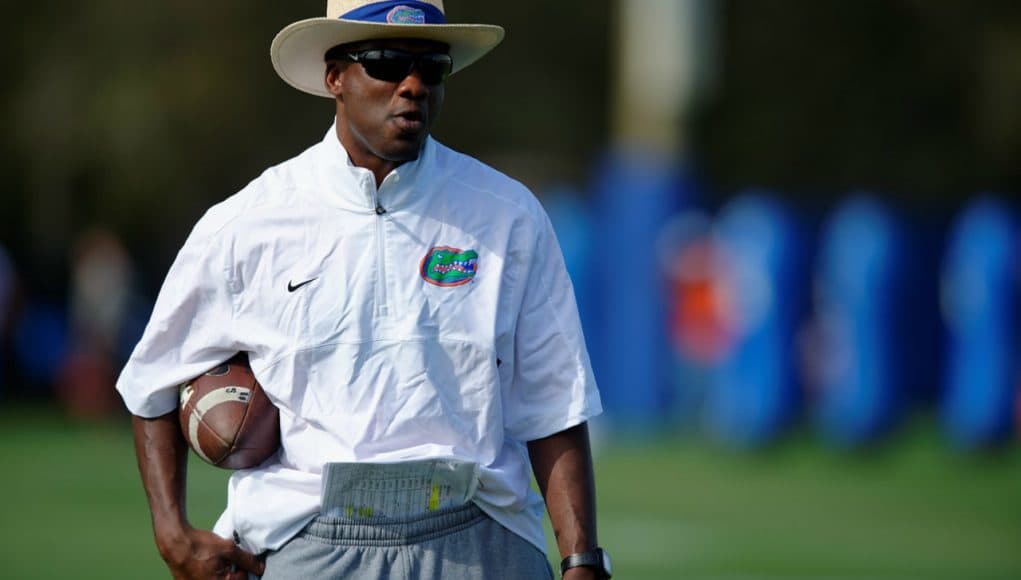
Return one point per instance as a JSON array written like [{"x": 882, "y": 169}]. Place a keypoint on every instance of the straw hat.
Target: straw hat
[{"x": 298, "y": 49}]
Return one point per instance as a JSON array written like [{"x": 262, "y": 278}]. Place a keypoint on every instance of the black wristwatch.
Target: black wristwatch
[{"x": 597, "y": 559}]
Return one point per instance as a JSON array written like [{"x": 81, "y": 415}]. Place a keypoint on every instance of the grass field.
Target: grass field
[{"x": 73, "y": 507}]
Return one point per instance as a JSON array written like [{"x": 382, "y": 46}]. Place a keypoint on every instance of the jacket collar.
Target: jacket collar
[{"x": 354, "y": 187}]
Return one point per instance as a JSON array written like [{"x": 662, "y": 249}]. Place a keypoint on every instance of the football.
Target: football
[{"x": 227, "y": 418}]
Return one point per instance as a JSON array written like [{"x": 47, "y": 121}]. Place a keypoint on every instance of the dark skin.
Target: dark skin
[
  {"x": 562, "y": 464},
  {"x": 381, "y": 125},
  {"x": 190, "y": 553}
]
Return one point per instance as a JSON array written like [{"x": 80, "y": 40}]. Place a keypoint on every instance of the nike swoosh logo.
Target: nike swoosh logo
[{"x": 291, "y": 286}]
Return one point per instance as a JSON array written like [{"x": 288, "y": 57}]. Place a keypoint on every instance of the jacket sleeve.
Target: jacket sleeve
[
  {"x": 553, "y": 387},
  {"x": 190, "y": 331}
]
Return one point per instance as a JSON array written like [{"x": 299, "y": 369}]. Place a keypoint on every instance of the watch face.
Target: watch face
[{"x": 606, "y": 563}]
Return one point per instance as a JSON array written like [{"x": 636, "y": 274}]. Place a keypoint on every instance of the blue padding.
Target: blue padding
[
  {"x": 755, "y": 390},
  {"x": 980, "y": 315},
  {"x": 635, "y": 193},
  {"x": 858, "y": 295},
  {"x": 41, "y": 342}
]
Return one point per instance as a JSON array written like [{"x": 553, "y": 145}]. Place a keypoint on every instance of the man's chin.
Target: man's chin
[{"x": 405, "y": 149}]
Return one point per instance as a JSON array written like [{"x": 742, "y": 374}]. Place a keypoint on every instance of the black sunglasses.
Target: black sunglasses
[{"x": 394, "y": 65}]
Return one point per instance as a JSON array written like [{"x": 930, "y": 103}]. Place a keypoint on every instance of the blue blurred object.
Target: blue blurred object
[
  {"x": 856, "y": 345},
  {"x": 136, "y": 317},
  {"x": 634, "y": 193},
  {"x": 7, "y": 283},
  {"x": 979, "y": 310},
  {"x": 755, "y": 389},
  {"x": 41, "y": 343}
]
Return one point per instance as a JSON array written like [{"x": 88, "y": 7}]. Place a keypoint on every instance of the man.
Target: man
[{"x": 407, "y": 310}]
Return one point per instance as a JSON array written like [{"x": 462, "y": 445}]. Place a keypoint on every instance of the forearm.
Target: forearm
[
  {"x": 189, "y": 553},
  {"x": 562, "y": 464},
  {"x": 162, "y": 456}
]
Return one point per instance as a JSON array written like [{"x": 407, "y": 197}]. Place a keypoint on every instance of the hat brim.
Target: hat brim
[{"x": 297, "y": 51}]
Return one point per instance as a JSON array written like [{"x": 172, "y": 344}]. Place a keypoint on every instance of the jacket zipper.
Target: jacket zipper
[{"x": 381, "y": 297}]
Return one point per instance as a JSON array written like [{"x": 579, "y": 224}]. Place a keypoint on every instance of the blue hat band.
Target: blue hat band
[{"x": 397, "y": 12}]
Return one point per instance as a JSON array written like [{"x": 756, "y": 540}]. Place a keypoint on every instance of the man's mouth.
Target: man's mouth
[{"x": 410, "y": 120}]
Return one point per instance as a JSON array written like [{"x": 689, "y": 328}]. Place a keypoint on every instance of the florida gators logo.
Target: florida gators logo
[
  {"x": 445, "y": 266},
  {"x": 405, "y": 15}
]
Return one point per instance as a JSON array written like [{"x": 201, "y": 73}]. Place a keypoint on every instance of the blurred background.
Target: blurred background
[{"x": 792, "y": 227}]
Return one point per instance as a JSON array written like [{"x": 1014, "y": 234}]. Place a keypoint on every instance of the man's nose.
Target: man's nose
[{"x": 412, "y": 87}]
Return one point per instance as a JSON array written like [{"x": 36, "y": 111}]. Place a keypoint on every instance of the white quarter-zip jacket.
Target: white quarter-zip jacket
[{"x": 431, "y": 318}]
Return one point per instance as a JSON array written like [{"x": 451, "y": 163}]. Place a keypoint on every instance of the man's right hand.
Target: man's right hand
[
  {"x": 190, "y": 554},
  {"x": 194, "y": 554}
]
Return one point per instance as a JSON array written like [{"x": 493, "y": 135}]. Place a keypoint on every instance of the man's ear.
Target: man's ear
[{"x": 333, "y": 80}]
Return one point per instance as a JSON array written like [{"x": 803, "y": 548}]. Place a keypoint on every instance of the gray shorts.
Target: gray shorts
[{"x": 460, "y": 543}]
